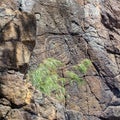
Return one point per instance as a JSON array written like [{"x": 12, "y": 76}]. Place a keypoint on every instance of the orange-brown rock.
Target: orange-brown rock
[
  {"x": 18, "y": 32},
  {"x": 20, "y": 101}
]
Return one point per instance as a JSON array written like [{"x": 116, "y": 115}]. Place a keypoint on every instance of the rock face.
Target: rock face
[
  {"x": 18, "y": 31},
  {"x": 72, "y": 30},
  {"x": 69, "y": 30},
  {"x": 18, "y": 99}
]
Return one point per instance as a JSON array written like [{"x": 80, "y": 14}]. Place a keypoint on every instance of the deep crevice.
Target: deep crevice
[{"x": 110, "y": 118}]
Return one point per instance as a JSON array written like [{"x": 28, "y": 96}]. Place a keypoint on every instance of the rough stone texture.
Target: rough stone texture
[
  {"x": 17, "y": 31},
  {"x": 20, "y": 104},
  {"x": 19, "y": 100},
  {"x": 72, "y": 30},
  {"x": 69, "y": 30}
]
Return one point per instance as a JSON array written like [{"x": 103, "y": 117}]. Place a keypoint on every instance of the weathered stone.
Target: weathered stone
[
  {"x": 111, "y": 113},
  {"x": 14, "y": 114},
  {"x": 69, "y": 30},
  {"x": 18, "y": 93},
  {"x": 18, "y": 99},
  {"x": 18, "y": 32},
  {"x": 23, "y": 102},
  {"x": 74, "y": 115},
  {"x": 82, "y": 28},
  {"x": 4, "y": 111}
]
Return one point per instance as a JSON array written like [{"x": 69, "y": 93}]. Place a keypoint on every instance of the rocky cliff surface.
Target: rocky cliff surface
[
  {"x": 18, "y": 99},
  {"x": 69, "y": 30}
]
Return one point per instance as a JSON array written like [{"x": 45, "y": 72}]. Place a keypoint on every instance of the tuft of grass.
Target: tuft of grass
[
  {"x": 83, "y": 66},
  {"x": 47, "y": 79}
]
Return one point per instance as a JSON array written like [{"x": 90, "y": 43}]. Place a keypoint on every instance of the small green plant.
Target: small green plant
[
  {"x": 47, "y": 77},
  {"x": 83, "y": 66}
]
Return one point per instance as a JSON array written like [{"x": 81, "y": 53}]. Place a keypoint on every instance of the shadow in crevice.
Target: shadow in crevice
[{"x": 110, "y": 118}]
